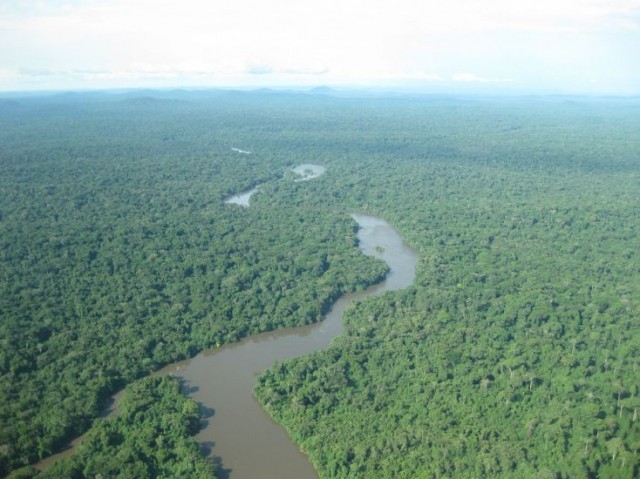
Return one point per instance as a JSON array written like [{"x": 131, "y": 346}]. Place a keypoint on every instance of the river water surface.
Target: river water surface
[
  {"x": 242, "y": 199},
  {"x": 304, "y": 172}
]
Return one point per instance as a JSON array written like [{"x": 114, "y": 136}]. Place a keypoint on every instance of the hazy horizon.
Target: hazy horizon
[{"x": 486, "y": 46}]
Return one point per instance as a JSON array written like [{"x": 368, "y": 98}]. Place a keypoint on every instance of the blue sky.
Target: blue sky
[{"x": 544, "y": 46}]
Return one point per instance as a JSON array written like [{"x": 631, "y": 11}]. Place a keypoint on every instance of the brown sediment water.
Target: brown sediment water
[{"x": 237, "y": 433}]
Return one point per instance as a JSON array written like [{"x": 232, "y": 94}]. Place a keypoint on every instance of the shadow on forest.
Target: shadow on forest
[
  {"x": 207, "y": 448},
  {"x": 205, "y": 414},
  {"x": 189, "y": 389}
]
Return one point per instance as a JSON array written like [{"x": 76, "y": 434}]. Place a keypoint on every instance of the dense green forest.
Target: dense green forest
[
  {"x": 149, "y": 437},
  {"x": 119, "y": 256},
  {"x": 515, "y": 353}
]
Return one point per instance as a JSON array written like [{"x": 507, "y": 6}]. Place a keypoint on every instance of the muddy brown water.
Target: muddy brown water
[{"x": 237, "y": 433}]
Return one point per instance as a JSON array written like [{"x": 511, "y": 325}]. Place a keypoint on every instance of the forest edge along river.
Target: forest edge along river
[
  {"x": 304, "y": 172},
  {"x": 237, "y": 433},
  {"x": 242, "y": 436}
]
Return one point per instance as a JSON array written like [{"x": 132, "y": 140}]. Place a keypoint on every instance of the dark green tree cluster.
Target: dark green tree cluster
[{"x": 151, "y": 436}]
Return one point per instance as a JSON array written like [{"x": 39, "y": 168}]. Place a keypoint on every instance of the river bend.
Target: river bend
[
  {"x": 241, "y": 435},
  {"x": 238, "y": 434}
]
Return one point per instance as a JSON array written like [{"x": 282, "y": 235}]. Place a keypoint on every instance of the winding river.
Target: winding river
[
  {"x": 304, "y": 172},
  {"x": 237, "y": 434}
]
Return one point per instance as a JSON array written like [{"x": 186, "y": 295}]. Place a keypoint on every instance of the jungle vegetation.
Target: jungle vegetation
[
  {"x": 151, "y": 436},
  {"x": 514, "y": 354}
]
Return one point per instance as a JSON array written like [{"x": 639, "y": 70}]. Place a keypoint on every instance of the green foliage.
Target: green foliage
[
  {"x": 119, "y": 256},
  {"x": 515, "y": 354},
  {"x": 515, "y": 351},
  {"x": 151, "y": 437}
]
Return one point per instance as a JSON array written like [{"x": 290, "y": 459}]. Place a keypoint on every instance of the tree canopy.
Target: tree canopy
[{"x": 514, "y": 354}]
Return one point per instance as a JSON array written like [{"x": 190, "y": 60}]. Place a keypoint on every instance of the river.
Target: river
[
  {"x": 242, "y": 199},
  {"x": 237, "y": 434},
  {"x": 304, "y": 172},
  {"x": 240, "y": 435}
]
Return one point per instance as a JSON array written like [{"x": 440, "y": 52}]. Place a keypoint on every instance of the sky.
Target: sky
[{"x": 519, "y": 46}]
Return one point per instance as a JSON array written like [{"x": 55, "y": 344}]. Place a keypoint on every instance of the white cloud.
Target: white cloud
[
  {"x": 259, "y": 70},
  {"x": 337, "y": 40},
  {"x": 559, "y": 15},
  {"x": 304, "y": 70},
  {"x": 8, "y": 74},
  {"x": 431, "y": 77},
  {"x": 473, "y": 78}
]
